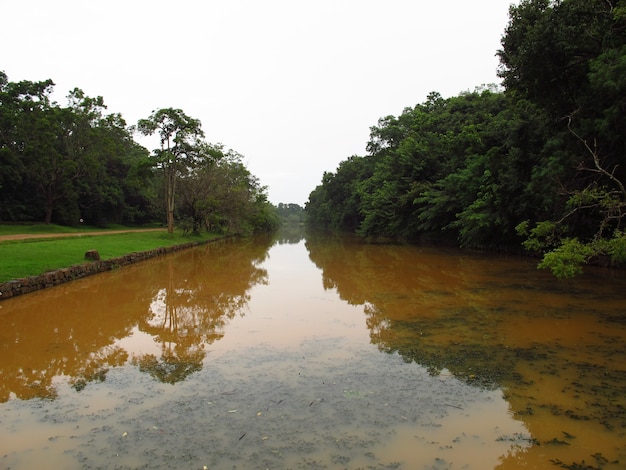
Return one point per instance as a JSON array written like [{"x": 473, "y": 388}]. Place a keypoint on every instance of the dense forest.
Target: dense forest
[
  {"x": 537, "y": 162},
  {"x": 75, "y": 163}
]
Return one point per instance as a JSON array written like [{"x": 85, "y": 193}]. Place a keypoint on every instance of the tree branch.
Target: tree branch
[{"x": 596, "y": 159}]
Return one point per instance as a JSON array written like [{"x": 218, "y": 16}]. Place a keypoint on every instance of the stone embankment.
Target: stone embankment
[{"x": 25, "y": 285}]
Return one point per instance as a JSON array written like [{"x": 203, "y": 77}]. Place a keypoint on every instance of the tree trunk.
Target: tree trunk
[
  {"x": 169, "y": 198},
  {"x": 49, "y": 205},
  {"x": 48, "y": 217}
]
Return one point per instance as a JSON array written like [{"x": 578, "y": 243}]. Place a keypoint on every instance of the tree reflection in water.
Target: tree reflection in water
[
  {"x": 489, "y": 322},
  {"x": 80, "y": 330},
  {"x": 198, "y": 301},
  {"x": 300, "y": 371},
  {"x": 199, "y": 298}
]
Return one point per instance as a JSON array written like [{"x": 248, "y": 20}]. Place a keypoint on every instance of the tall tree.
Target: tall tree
[
  {"x": 65, "y": 163},
  {"x": 28, "y": 147},
  {"x": 180, "y": 137},
  {"x": 568, "y": 57}
]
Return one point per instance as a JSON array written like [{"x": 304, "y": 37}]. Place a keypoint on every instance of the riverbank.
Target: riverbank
[{"x": 16, "y": 287}]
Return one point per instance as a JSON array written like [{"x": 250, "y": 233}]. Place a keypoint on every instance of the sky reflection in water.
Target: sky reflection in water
[{"x": 233, "y": 353}]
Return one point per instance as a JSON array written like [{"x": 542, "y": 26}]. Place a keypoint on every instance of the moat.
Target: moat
[{"x": 317, "y": 352}]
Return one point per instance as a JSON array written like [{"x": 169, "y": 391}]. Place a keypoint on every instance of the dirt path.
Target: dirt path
[{"x": 23, "y": 236}]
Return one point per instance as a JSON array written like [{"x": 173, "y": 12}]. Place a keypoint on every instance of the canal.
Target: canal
[{"x": 317, "y": 352}]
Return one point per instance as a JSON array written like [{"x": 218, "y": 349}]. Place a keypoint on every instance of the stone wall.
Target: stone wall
[{"x": 25, "y": 285}]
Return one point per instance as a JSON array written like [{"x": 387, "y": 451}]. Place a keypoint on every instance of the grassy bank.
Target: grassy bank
[{"x": 23, "y": 258}]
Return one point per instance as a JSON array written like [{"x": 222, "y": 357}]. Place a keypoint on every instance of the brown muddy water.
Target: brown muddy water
[{"x": 317, "y": 353}]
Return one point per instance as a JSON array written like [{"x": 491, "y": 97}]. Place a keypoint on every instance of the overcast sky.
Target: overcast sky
[{"x": 293, "y": 85}]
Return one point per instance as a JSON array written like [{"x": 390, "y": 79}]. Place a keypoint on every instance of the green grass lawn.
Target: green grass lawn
[{"x": 25, "y": 258}]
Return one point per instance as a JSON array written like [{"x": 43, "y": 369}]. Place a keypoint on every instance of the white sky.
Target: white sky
[{"x": 293, "y": 85}]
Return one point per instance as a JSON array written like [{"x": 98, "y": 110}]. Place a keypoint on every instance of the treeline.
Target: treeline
[
  {"x": 77, "y": 163},
  {"x": 291, "y": 213},
  {"x": 539, "y": 162}
]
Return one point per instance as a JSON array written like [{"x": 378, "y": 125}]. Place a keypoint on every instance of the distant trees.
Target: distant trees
[
  {"x": 65, "y": 164},
  {"x": 290, "y": 213},
  {"x": 539, "y": 163},
  {"x": 335, "y": 204},
  {"x": 220, "y": 194}
]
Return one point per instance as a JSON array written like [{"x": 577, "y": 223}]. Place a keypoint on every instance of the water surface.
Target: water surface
[{"x": 316, "y": 353}]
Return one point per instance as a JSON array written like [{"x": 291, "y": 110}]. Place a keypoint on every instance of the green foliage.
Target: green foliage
[
  {"x": 616, "y": 247},
  {"x": 540, "y": 163},
  {"x": 290, "y": 214},
  {"x": 219, "y": 194},
  {"x": 545, "y": 234},
  {"x": 335, "y": 204},
  {"x": 566, "y": 261},
  {"x": 180, "y": 137},
  {"x": 447, "y": 164},
  {"x": 62, "y": 164},
  {"x": 569, "y": 58},
  {"x": 568, "y": 258},
  {"x": 565, "y": 256},
  {"x": 77, "y": 164}
]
